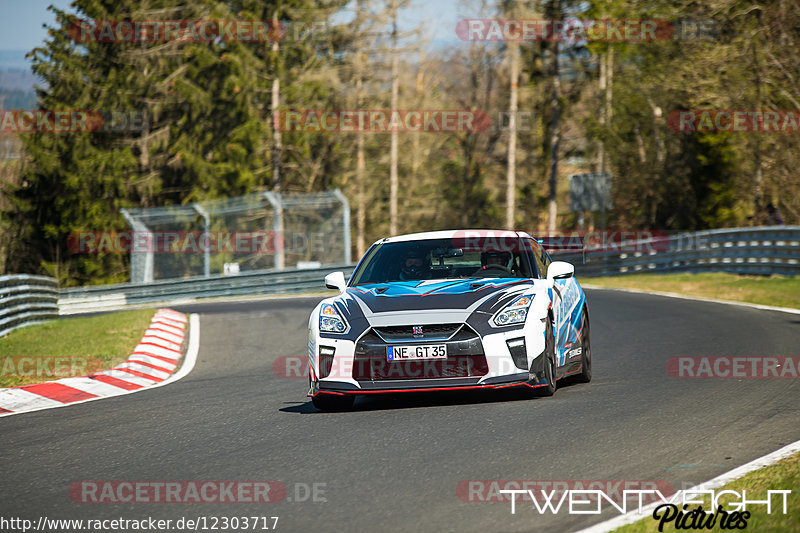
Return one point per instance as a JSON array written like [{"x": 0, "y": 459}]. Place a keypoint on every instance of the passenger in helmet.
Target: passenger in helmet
[
  {"x": 415, "y": 266},
  {"x": 497, "y": 261}
]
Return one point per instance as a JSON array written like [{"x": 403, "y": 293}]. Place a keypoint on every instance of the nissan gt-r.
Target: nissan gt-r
[{"x": 449, "y": 310}]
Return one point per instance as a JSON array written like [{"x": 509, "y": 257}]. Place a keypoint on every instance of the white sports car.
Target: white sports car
[{"x": 449, "y": 310}]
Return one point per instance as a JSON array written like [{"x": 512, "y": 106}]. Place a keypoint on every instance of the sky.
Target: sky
[{"x": 21, "y": 22}]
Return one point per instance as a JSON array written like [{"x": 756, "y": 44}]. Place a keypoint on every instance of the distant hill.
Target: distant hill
[
  {"x": 16, "y": 81},
  {"x": 14, "y": 59},
  {"x": 17, "y": 99}
]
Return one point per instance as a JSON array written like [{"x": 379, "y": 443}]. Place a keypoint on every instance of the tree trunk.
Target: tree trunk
[
  {"x": 513, "y": 50},
  {"x": 609, "y": 95},
  {"x": 393, "y": 150},
  {"x": 361, "y": 208},
  {"x": 554, "y": 132},
  {"x": 276, "y": 153}
]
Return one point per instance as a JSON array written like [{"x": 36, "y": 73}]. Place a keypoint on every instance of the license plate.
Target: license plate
[{"x": 417, "y": 351}]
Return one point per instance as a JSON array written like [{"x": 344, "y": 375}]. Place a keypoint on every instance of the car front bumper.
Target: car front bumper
[{"x": 341, "y": 366}]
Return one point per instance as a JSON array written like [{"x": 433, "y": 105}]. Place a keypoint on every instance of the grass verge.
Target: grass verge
[
  {"x": 783, "y": 475},
  {"x": 70, "y": 347},
  {"x": 779, "y": 291}
]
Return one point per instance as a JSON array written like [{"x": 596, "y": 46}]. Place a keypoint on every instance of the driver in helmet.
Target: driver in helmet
[
  {"x": 497, "y": 261},
  {"x": 415, "y": 266}
]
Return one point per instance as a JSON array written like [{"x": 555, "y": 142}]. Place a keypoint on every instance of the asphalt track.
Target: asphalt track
[{"x": 393, "y": 464}]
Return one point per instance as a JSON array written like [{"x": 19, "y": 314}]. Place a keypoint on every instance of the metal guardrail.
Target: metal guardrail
[
  {"x": 760, "y": 251},
  {"x": 110, "y": 297},
  {"x": 25, "y": 300}
]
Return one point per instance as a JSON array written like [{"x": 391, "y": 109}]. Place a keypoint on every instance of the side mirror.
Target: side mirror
[
  {"x": 335, "y": 280},
  {"x": 560, "y": 270}
]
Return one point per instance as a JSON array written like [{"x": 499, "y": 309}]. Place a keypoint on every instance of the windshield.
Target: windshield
[{"x": 439, "y": 259}]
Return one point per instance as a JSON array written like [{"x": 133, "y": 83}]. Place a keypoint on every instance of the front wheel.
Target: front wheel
[
  {"x": 585, "y": 375},
  {"x": 333, "y": 402},
  {"x": 549, "y": 363}
]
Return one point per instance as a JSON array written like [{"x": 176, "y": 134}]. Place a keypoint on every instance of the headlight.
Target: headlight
[
  {"x": 514, "y": 313},
  {"x": 330, "y": 320}
]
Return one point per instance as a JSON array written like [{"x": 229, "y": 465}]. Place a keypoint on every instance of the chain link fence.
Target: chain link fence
[{"x": 261, "y": 231}]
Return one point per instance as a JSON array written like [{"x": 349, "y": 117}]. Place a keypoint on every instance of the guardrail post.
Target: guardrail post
[
  {"x": 145, "y": 276},
  {"x": 206, "y": 228},
  {"x": 277, "y": 225},
  {"x": 345, "y": 223}
]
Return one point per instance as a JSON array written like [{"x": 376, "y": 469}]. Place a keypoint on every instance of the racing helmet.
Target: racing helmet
[
  {"x": 415, "y": 264},
  {"x": 505, "y": 259}
]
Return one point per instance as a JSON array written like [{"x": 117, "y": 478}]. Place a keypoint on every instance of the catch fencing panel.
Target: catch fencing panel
[{"x": 260, "y": 231}]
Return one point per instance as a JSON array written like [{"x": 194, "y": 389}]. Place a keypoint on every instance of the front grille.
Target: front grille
[
  {"x": 465, "y": 357},
  {"x": 406, "y": 333}
]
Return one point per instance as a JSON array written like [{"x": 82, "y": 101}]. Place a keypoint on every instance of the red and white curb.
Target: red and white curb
[{"x": 153, "y": 363}]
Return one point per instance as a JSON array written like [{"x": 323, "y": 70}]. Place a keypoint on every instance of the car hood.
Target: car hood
[{"x": 432, "y": 295}]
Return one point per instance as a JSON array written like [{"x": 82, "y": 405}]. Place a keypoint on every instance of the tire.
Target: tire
[
  {"x": 333, "y": 402},
  {"x": 585, "y": 375},
  {"x": 549, "y": 369}
]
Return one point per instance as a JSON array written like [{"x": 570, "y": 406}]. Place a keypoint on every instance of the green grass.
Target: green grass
[
  {"x": 780, "y": 291},
  {"x": 70, "y": 346},
  {"x": 783, "y": 475}
]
